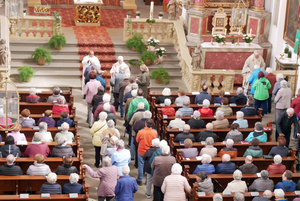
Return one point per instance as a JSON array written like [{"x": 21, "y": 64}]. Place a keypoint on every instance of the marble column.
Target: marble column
[
  {"x": 258, "y": 5},
  {"x": 199, "y": 4}
]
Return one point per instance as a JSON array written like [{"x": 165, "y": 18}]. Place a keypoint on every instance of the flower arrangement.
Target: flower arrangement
[
  {"x": 232, "y": 40},
  {"x": 152, "y": 42},
  {"x": 160, "y": 14},
  {"x": 137, "y": 13},
  {"x": 219, "y": 38},
  {"x": 150, "y": 21},
  {"x": 161, "y": 51},
  {"x": 24, "y": 11},
  {"x": 129, "y": 14},
  {"x": 247, "y": 38}
]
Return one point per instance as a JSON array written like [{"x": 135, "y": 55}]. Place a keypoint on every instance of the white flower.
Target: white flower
[
  {"x": 162, "y": 48},
  {"x": 157, "y": 41}
]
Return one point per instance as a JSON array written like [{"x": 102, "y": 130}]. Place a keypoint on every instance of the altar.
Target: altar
[{"x": 88, "y": 12}]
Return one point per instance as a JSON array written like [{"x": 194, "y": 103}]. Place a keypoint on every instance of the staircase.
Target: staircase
[
  {"x": 171, "y": 63},
  {"x": 63, "y": 71}
]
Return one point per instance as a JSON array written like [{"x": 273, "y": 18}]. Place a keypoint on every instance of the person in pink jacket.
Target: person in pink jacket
[{"x": 16, "y": 134}]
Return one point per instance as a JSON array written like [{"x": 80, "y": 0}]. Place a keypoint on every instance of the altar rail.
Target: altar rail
[
  {"x": 32, "y": 28},
  {"x": 168, "y": 31}
]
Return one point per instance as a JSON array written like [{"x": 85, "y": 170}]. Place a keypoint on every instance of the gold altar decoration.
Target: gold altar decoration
[
  {"x": 219, "y": 22},
  {"x": 238, "y": 18},
  {"x": 42, "y": 9},
  {"x": 224, "y": 3},
  {"x": 88, "y": 14}
]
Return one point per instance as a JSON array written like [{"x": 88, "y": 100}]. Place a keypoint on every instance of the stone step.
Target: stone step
[
  {"x": 50, "y": 72},
  {"x": 29, "y": 49},
  {"x": 38, "y": 43},
  {"x": 55, "y": 64}
]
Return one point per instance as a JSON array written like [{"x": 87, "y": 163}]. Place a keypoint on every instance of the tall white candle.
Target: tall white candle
[
  {"x": 151, "y": 10},
  {"x": 225, "y": 31},
  {"x": 213, "y": 31},
  {"x": 250, "y": 31}
]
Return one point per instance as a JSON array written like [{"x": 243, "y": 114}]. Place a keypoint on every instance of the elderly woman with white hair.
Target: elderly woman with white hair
[
  {"x": 106, "y": 99},
  {"x": 232, "y": 152},
  {"x": 126, "y": 186},
  {"x": 112, "y": 148},
  {"x": 277, "y": 167},
  {"x": 51, "y": 186},
  {"x": 205, "y": 111},
  {"x": 166, "y": 93},
  {"x": 32, "y": 98},
  {"x": 195, "y": 122},
  {"x": 121, "y": 157},
  {"x": 237, "y": 185},
  {"x": 262, "y": 183},
  {"x": 175, "y": 186},
  {"x": 96, "y": 131},
  {"x": 282, "y": 99},
  {"x": 226, "y": 167},
  {"x": 217, "y": 197},
  {"x": 110, "y": 115},
  {"x": 186, "y": 110},
  {"x": 37, "y": 147},
  {"x": 46, "y": 135},
  {"x": 239, "y": 98},
  {"x": 220, "y": 122},
  {"x": 279, "y": 195},
  {"x": 257, "y": 133},
  {"x": 177, "y": 122},
  {"x": 65, "y": 133},
  {"x": 167, "y": 109},
  {"x": 62, "y": 148},
  {"x": 158, "y": 152},
  {"x": 209, "y": 148},
  {"x": 206, "y": 166},
  {"x": 243, "y": 123},
  {"x": 108, "y": 176},
  {"x": 73, "y": 186},
  {"x": 279, "y": 78}
]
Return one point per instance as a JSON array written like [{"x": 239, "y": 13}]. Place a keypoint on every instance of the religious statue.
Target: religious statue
[
  {"x": 3, "y": 52},
  {"x": 196, "y": 57},
  {"x": 185, "y": 4},
  {"x": 172, "y": 9}
]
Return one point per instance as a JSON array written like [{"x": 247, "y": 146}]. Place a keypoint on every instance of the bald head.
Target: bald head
[
  {"x": 290, "y": 112},
  {"x": 209, "y": 126}
]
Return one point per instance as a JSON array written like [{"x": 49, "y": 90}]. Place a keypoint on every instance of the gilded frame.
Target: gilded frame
[
  {"x": 214, "y": 4},
  {"x": 290, "y": 29}
]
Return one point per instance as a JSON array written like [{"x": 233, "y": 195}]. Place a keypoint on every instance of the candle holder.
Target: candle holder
[{"x": 238, "y": 42}]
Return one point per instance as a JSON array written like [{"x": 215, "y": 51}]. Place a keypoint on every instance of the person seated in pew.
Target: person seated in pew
[
  {"x": 262, "y": 183},
  {"x": 62, "y": 148},
  {"x": 257, "y": 133},
  {"x": 203, "y": 95},
  {"x": 177, "y": 122},
  {"x": 5, "y": 122},
  {"x": 47, "y": 117},
  {"x": 16, "y": 134},
  {"x": 32, "y": 98},
  {"x": 205, "y": 111},
  {"x": 205, "y": 167},
  {"x": 225, "y": 108},
  {"x": 186, "y": 110},
  {"x": 166, "y": 93},
  {"x": 55, "y": 96},
  {"x": 217, "y": 197},
  {"x": 248, "y": 167},
  {"x": 9, "y": 168},
  {"x": 60, "y": 106},
  {"x": 209, "y": 148},
  {"x": 167, "y": 109},
  {"x": 218, "y": 99},
  {"x": 243, "y": 123},
  {"x": 280, "y": 149},
  {"x": 66, "y": 168},
  {"x": 279, "y": 195},
  {"x": 181, "y": 97},
  {"x": 38, "y": 167},
  {"x": 220, "y": 121},
  {"x": 226, "y": 167},
  {"x": 195, "y": 122},
  {"x": 37, "y": 147},
  {"x": 249, "y": 109},
  {"x": 287, "y": 185},
  {"x": 185, "y": 134},
  {"x": 204, "y": 183},
  {"x": 189, "y": 151},
  {"x": 237, "y": 185},
  {"x": 64, "y": 117},
  {"x": 234, "y": 133},
  {"x": 267, "y": 195},
  {"x": 238, "y": 197},
  {"x": 65, "y": 133},
  {"x": 207, "y": 133},
  {"x": 276, "y": 167},
  {"x": 73, "y": 186},
  {"x": 25, "y": 119},
  {"x": 10, "y": 148},
  {"x": 254, "y": 150},
  {"x": 51, "y": 186},
  {"x": 232, "y": 152},
  {"x": 46, "y": 135},
  {"x": 239, "y": 98}
]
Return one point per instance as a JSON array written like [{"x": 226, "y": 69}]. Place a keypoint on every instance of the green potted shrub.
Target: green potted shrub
[
  {"x": 289, "y": 55},
  {"x": 160, "y": 75},
  {"x": 148, "y": 57},
  {"x": 41, "y": 55},
  {"x": 25, "y": 73},
  {"x": 136, "y": 43},
  {"x": 57, "y": 41}
]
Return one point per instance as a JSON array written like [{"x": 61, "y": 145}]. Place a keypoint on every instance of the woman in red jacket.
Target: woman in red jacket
[
  {"x": 59, "y": 107},
  {"x": 205, "y": 111},
  {"x": 296, "y": 104},
  {"x": 168, "y": 109}
]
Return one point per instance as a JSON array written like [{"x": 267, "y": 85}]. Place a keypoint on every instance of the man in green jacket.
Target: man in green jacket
[{"x": 134, "y": 103}]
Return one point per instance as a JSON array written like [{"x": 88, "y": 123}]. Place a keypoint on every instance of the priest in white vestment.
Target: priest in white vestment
[
  {"x": 90, "y": 59},
  {"x": 116, "y": 67}
]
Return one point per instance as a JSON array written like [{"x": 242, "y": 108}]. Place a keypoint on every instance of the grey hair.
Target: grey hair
[
  {"x": 147, "y": 114},
  {"x": 196, "y": 114},
  {"x": 206, "y": 103},
  {"x": 279, "y": 75},
  {"x": 125, "y": 170},
  {"x": 279, "y": 193},
  {"x": 10, "y": 158},
  {"x": 110, "y": 123},
  {"x": 290, "y": 110},
  {"x": 61, "y": 140},
  {"x": 65, "y": 126},
  {"x": 163, "y": 143},
  {"x": 103, "y": 116},
  {"x": 52, "y": 178},
  {"x": 106, "y": 98},
  {"x": 113, "y": 140},
  {"x": 258, "y": 126},
  {"x": 165, "y": 149},
  {"x": 166, "y": 92},
  {"x": 237, "y": 175},
  {"x": 167, "y": 102},
  {"x": 209, "y": 126},
  {"x": 239, "y": 114},
  {"x": 238, "y": 197},
  {"x": 249, "y": 158},
  {"x": 269, "y": 70},
  {"x": 186, "y": 127},
  {"x": 134, "y": 86},
  {"x": 277, "y": 159},
  {"x": 186, "y": 102},
  {"x": 209, "y": 141},
  {"x": 206, "y": 158},
  {"x": 74, "y": 177},
  {"x": 283, "y": 84},
  {"x": 267, "y": 194},
  {"x": 120, "y": 144},
  {"x": 37, "y": 137},
  {"x": 264, "y": 174},
  {"x": 60, "y": 100},
  {"x": 106, "y": 106},
  {"x": 239, "y": 90},
  {"x": 178, "y": 114},
  {"x": 32, "y": 91},
  {"x": 141, "y": 105},
  {"x": 134, "y": 93},
  {"x": 226, "y": 157},
  {"x": 217, "y": 197},
  {"x": 155, "y": 142},
  {"x": 106, "y": 161},
  {"x": 43, "y": 126},
  {"x": 220, "y": 115},
  {"x": 176, "y": 168},
  {"x": 229, "y": 142}
]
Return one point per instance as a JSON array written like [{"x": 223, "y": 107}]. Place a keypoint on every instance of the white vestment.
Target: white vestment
[
  {"x": 87, "y": 60},
  {"x": 116, "y": 67}
]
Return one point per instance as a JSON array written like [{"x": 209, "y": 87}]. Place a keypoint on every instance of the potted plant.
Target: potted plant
[
  {"x": 57, "y": 41},
  {"x": 160, "y": 51},
  {"x": 148, "y": 57},
  {"x": 219, "y": 38},
  {"x": 24, "y": 12},
  {"x": 232, "y": 40},
  {"x": 129, "y": 14},
  {"x": 137, "y": 14},
  {"x": 25, "y": 73},
  {"x": 248, "y": 39},
  {"x": 160, "y": 75},
  {"x": 286, "y": 51},
  {"x": 160, "y": 15},
  {"x": 41, "y": 55},
  {"x": 136, "y": 43},
  {"x": 152, "y": 42},
  {"x": 289, "y": 55}
]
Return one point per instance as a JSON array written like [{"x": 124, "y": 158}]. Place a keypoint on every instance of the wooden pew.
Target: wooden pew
[
  {"x": 61, "y": 197},
  {"x": 36, "y": 117},
  {"x": 261, "y": 163},
  {"x": 40, "y": 108}
]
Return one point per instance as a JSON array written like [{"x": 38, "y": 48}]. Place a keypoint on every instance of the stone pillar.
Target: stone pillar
[
  {"x": 199, "y": 4},
  {"x": 258, "y": 5}
]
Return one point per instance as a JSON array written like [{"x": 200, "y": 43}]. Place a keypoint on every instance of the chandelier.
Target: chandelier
[{"x": 238, "y": 18}]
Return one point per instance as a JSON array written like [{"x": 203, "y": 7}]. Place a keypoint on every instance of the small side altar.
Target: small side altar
[
  {"x": 88, "y": 12},
  {"x": 285, "y": 63}
]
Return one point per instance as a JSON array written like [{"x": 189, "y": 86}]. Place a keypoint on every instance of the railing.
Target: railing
[{"x": 33, "y": 27}]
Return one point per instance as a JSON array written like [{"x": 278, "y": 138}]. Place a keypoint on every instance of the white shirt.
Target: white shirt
[
  {"x": 87, "y": 60},
  {"x": 116, "y": 67},
  {"x": 46, "y": 136}
]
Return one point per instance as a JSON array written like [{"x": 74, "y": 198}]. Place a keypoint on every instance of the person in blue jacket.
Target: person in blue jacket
[
  {"x": 73, "y": 186},
  {"x": 257, "y": 133},
  {"x": 126, "y": 186},
  {"x": 254, "y": 76},
  {"x": 205, "y": 167},
  {"x": 287, "y": 185},
  {"x": 226, "y": 167}
]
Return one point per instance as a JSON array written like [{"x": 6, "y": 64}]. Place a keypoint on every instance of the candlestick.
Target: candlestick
[
  {"x": 225, "y": 31},
  {"x": 151, "y": 10},
  {"x": 213, "y": 30},
  {"x": 250, "y": 31},
  {"x": 239, "y": 32}
]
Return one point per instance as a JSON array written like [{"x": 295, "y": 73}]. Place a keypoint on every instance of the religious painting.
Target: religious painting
[
  {"x": 225, "y": 3},
  {"x": 292, "y": 22}
]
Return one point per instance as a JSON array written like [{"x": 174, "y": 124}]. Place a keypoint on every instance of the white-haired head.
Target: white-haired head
[
  {"x": 155, "y": 142},
  {"x": 74, "y": 177},
  {"x": 229, "y": 143},
  {"x": 290, "y": 112},
  {"x": 113, "y": 140},
  {"x": 110, "y": 124},
  {"x": 226, "y": 158},
  {"x": 239, "y": 91},
  {"x": 141, "y": 105},
  {"x": 121, "y": 58},
  {"x": 279, "y": 193},
  {"x": 238, "y": 197},
  {"x": 166, "y": 92},
  {"x": 186, "y": 128},
  {"x": 120, "y": 144},
  {"x": 283, "y": 84},
  {"x": 147, "y": 114},
  {"x": 167, "y": 102},
  {"x": 32, "y": 91},
  {"x": 51, "y": 178},
  {"x": 186, "y": 102},
  {"x": 277, "y": 159},
  {"x": 125, "y": 170},
  {"x": 178, "y": 114},
  {"x": 102, "y": 116},
  {"x": 106, "y": 98},
  {"x": 107, "y": 161},
  {"x": 279, "y": 76},
  {"x": 237, "y": 175},
  {"x": 196, "y": 114},
  {"x": 134, "y": 86},
  {"x": 106, "y": 107},
  {"x": 10, "y": 159},
  {"x": 220, "y": 115},
  {"x": 209, "y": 141},
  {"x": 269, "y": 70},
  {"x": 62, "y": 141},
  {"x": 176, "y": 168},
  {"x": 134, "y": 93},
  {"x": 65, "y": 126},
  {"x": 206, "y": 158},
  {"x": 43, "y": 126},
  {"x": 209, "y": 126},
  {"x": 239, "y": 114},
  {"x": 217, "y": 197},
  {"x": 267, "y": 194},
  {"x": 206, "y": 103},
  {"x": 165, "y": 150},
  {"x": 163, "y": 143},
  {"x": 264, "y": 174}
]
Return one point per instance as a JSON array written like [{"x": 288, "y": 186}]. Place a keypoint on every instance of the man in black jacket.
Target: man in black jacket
[
  {"x": 207, "y": 133},
  {"x": 9, "y": 169},
  {"x": 185, "y": 134}
]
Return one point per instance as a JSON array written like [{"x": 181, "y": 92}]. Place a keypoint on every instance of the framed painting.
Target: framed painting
[
  {"x": 224, "y": 3},
  {"x": 292, "y": 21}
]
